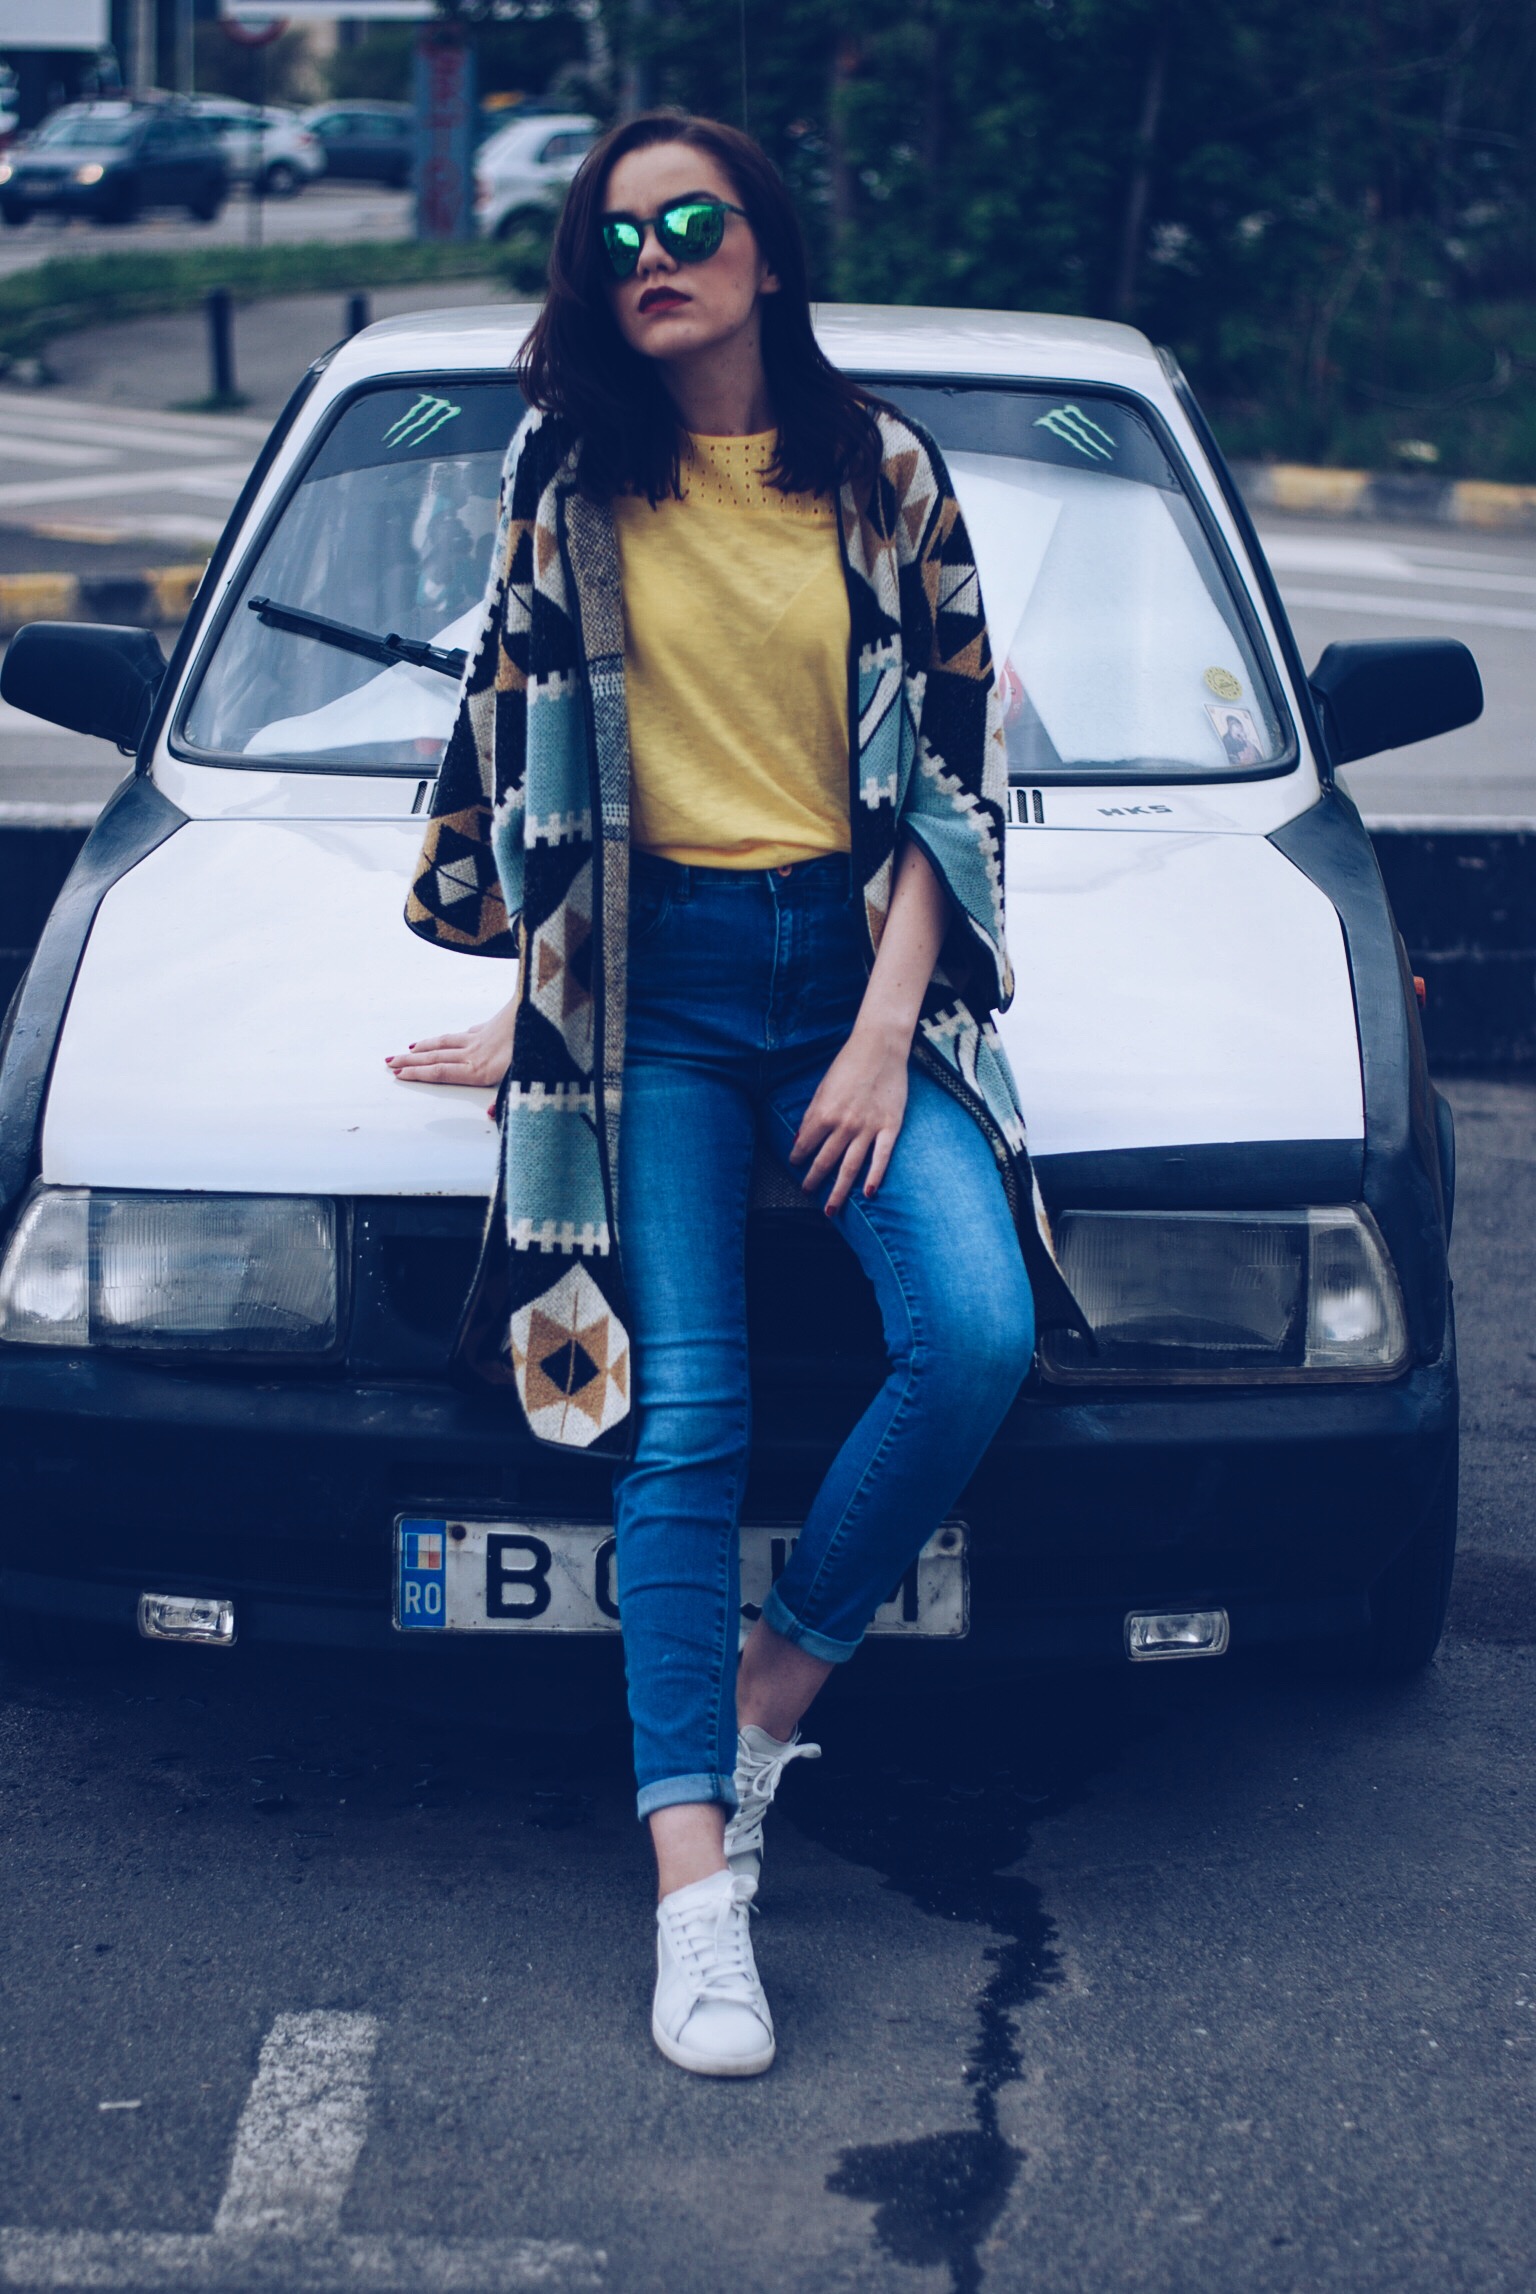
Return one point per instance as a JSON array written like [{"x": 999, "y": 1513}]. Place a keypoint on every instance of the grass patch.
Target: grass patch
[{"x": 72, "y": 291}]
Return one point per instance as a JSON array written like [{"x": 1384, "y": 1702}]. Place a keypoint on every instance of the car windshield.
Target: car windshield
[
  {"x": 389, "y": 532},
  {"x": 91, "y": 130},
  {"x": 1123, "y": 651}
]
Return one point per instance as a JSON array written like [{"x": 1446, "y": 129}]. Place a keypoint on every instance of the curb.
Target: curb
[
  {"x": 1407, "y": 496},
  {"x": 156, "y": 598}
]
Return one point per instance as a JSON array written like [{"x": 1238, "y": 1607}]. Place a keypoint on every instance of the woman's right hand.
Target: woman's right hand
[{"x": 479, "y": 1057}]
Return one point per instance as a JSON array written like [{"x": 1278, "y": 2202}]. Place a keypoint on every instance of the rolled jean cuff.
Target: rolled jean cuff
[
  {"x": 686, "y": 1791},
  {"x": 789, "y": 1628}
]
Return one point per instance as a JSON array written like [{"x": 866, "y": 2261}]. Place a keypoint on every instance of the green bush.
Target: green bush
[{"x": 71, "y": 291}]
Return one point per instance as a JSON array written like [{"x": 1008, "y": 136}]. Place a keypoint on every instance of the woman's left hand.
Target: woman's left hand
[
  {"x": 856, "y": 1116},
  {"x": 855, "y": 1119}
]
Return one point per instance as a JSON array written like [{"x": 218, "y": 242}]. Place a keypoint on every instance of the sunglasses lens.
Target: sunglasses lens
[
  {"x": 692, "y": 231},
  {"x": 623, "y": 242}
]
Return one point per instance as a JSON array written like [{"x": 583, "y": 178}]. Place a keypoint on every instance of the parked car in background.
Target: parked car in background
[
  {"x": 114, "y": 160},
  {"x": 521, "y": 172},
  {"x": 10, "y": 104},
  {"x": 364, "y": 142},
  {"x": 232, "y": 1269},
  {"x": 270, "y": 147}
]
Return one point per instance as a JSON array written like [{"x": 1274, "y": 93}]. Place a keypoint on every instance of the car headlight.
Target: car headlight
[
  {"x": 1228, "y": 1297},
  {"x": 92, "y": 172},
  {"x": 6, "y": 171},
  {"x": 194, "y": 1274}
]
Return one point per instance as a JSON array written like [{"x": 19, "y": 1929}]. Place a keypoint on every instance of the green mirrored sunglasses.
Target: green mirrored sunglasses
[{"x": 690, "y": 231}]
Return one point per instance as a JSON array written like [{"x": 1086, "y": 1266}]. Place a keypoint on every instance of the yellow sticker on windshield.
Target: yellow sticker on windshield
[{"x": 1223, "y": 684}]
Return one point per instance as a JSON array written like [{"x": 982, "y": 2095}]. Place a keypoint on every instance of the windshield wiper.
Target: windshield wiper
[{"x": 389, "y": 650}]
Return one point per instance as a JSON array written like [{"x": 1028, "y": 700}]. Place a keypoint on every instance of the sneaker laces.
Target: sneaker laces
[
  {"x": 757, "y": 1781},
  {"x": 712, "y": 1943}
]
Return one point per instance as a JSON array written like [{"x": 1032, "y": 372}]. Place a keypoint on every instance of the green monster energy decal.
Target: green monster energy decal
[
  {"x": 1072, "y": 426},
  {"x": 420, "y": 421}
]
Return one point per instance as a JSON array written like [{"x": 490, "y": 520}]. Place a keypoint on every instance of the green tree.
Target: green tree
[{"x": 1329, "y": 213}]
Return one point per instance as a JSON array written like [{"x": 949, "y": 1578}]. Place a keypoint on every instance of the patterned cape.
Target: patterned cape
[{"x": 527, "y": 854}]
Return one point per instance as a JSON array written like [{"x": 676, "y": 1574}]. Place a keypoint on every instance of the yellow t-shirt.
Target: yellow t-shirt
[{"x": 736, "y": 662}]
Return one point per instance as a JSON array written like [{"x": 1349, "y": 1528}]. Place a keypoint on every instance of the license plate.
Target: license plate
[{"x": 559, "y": 1577}]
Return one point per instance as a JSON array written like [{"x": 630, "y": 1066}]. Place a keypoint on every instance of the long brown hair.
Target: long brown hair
[{"x": 577, "y": 365}]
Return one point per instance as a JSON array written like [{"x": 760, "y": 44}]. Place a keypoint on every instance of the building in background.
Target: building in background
[{"x": 55, "y": 51}]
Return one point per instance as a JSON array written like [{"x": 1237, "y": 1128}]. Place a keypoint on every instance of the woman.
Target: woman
[{"x": 772, "y": 924}]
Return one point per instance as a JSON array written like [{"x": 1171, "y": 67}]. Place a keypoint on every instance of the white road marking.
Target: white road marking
[
  {"x": 297, "y": 2145},
  {"x": 302, "y": 2130},
  {"x": 1340, "y": 556},
  {"x": 133, "y": 526},
  {"x": 15, "y": 723},
  {"x": 24, "y": 812},
  {"x": 1333, "y": 553},
  {"x": 21, "y": 406},
  {"x": 1404, "y": 608},
  {"x": 1457, "y": 823},
  {"x": 104, "y": 431},
  {"x": 137, "y": 2261},
  {"x": 208, "y": 478},
  {"x": 14, "y": 447}
]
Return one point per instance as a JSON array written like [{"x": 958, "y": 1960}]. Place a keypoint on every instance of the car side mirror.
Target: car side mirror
[
  {"x": 1382, "y": 693},
  {"x": 90, "y": 678}
]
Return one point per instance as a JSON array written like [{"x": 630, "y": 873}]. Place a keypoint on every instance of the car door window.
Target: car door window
[
  {"x": 388, "y": 529},
  {"x": 158, "y": 155}
]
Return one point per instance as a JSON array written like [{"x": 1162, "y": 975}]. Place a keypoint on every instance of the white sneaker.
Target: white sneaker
[
  {"x": 761, "y": 1760},
  {"x": 710, "y": 2014}
]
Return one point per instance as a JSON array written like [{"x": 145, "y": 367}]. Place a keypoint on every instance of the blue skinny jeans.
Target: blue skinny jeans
[{"x": 743, "y": 987}]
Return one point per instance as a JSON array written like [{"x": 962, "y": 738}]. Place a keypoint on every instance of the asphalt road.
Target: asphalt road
[
  {"x": 1205, "y": 1978},
  {"x": 331, "y": 211}
]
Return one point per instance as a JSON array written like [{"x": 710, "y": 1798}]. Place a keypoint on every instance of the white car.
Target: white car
[
  {"x": 268, "y": 146},
  {"x": 521, "y": 172},
  {"x": 235, "y": 1249}
]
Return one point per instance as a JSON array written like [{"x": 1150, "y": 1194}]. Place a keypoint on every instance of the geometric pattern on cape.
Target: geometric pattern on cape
[
  {"x": 559, "y": 969},
  {"x": 541, "y": 738},
  {"x": 570, "y": 1356}
]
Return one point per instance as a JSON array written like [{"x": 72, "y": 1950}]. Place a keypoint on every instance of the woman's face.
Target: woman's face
[{"x": 671, "y": 310}]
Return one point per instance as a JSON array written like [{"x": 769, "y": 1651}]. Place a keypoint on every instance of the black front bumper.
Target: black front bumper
[{"x": 281, "y": 1493}]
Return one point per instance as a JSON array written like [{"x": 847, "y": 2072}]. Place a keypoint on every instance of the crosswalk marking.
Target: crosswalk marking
[
  {"x": 14, "y": 447},
  {"x": 109, "y": 433},
  {"x": 60, "y": 452},
  {"x": 297, "y": 2145},
  {"x": 205, "y": 478},
  {"x": 21, "y": 408}
]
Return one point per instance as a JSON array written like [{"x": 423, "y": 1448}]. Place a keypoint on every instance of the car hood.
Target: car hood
[
  {"x": 1175, "y": 990},
  {"x": 236, "y": 1000},
  {"x": 243, "y": 983}
]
